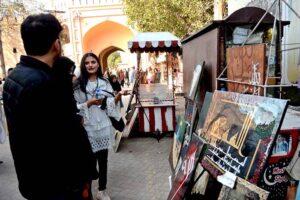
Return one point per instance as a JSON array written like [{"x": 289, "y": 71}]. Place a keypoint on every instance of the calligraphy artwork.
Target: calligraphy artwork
[
  {"x": 246, "y": 64},
  {"x": 275, "y": 178},
  {"x": 240, "y": 130},
  {"x": 243, "y": 191},
  {"x": 184, "y": 176}
]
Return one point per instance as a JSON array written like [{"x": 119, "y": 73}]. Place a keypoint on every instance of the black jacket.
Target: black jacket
[{"x": 50, "y": 147}]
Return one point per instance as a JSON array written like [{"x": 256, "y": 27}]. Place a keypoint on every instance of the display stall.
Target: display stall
[
  {"x": 155, "y": 99},
  {"x": 227, "y": 59}
]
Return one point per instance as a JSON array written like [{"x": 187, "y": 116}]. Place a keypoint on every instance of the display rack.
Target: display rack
[{"x": 274, "y": 56}]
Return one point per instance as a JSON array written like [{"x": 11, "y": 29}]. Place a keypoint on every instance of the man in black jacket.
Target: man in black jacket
[{"x": 50, "y": 148}]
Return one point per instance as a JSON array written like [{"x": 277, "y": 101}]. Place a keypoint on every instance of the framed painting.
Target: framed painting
[
  {"x": 243, "y": 191},
  {"x": 198, "y": 71},
  {"x": 189, "y": 108},
  {"x": 275, "y": 178},
  {"x": 186, "y": 170},
  {"x": 247, "y": 65},
  {"x": 178, "y": 140},
  {"x": 204, "y": 110},
  {"x": 240, "y": 130}
]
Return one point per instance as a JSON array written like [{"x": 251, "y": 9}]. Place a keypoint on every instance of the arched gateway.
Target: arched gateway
[{"x": 97, "y": 26}]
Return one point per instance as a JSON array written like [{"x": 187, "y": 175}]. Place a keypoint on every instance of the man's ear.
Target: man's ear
[{"x": 57, "y": 45}]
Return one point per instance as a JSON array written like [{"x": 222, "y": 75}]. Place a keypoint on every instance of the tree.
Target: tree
[
  {"x": 180, "y": 17},
  {"x": 113, "y": 60},
  {"x": 12, "y": 13}
]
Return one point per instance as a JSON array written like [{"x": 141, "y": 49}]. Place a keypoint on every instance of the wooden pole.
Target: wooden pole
[{"x": 2, "y": 61}]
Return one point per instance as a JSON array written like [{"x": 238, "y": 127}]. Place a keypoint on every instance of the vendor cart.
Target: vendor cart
[{"x": 155, "y": 99}]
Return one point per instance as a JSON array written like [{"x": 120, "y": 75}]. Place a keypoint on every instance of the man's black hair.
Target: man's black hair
[{"x": 39, "y": 32}]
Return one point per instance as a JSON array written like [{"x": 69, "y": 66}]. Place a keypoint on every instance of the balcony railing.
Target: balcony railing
[{"x": 94, "y": 2}]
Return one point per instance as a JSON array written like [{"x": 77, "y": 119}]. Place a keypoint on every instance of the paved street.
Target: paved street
[{"x": 138, "y": 171}]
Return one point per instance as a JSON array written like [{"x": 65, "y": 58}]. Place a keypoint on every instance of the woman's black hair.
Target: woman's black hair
[{"x": 84, "y": 75}]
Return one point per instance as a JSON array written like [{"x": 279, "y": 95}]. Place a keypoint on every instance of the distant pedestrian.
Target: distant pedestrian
[
  {"x": 2, "y": 127},
  {"x": 131, "y": 74},
  {"x": 121, "y": 77},
  {"x": 115, "y": 84},
  {"x": 52, "y": 155}
]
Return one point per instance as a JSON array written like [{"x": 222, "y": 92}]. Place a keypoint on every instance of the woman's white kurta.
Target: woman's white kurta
[{"x": 96, "y": 121}]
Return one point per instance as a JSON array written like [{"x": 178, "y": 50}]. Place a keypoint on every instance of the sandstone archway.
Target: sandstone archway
[
  {"x": 104, "y": 55},
  {"x": 105, "y": 38}
]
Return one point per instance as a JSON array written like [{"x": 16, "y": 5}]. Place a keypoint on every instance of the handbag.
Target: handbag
[{"x": 118, "y": 125}]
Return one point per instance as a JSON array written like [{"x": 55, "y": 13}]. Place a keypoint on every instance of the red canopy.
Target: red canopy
[{"x": 154, "y": 41}]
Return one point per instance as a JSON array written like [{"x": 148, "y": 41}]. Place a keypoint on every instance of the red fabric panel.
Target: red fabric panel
[
  {"x": 163, "y": 119},
  {"x": 141, "y": 120},
  {"x": 152, "y": 120}
]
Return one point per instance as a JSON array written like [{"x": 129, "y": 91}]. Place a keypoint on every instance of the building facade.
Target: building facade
[{"x": 98, "y": 26}]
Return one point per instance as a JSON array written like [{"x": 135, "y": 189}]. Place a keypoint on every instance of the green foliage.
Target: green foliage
[
  {"x": 180, "y": 17},
  {"x": 12, "y": 13},
  {"x": 113, "y": 60}
]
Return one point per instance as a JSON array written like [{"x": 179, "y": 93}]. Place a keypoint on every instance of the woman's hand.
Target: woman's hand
[
  {"x": 118, "y": 97},
  {"x": 124, "y": 92},
  {"x": 94, "y": 101}
]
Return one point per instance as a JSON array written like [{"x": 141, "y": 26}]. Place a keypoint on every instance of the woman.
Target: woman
[
  {"x": 115, "y": 83},
  {"x": 95, "y": 109}
]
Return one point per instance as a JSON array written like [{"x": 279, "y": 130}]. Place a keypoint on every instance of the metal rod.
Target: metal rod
[
  {"x": 272, "y": 43},
  {"x": 267, "y": 11},
  {"x": 291, "y": 49},
  {"x": 222, "y": 72},
  {"x": 290, "y": 7},
  {"x": 245, "y": 83},
  {"x": 280, "y": 40},
  {"x": 290, "y": 44}
]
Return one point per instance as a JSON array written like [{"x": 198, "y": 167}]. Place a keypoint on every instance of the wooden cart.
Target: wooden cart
[{"x": 155, "y": 101}]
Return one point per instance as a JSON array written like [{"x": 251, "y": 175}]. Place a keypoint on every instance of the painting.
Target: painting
[
  {"x": 243, "y": 191},
  {"x": 187, "y": 167},
  {"x": 246, "y": 64},
  {"x": 204, "y": 110},
  {"x": 189, "y": 108},
  {"x": 198, "y": 71},
  {"x": 178, "y": 140},
  {"x": 195, "y": 118},
  {"x": 201, "y": 182},
  {"x": 240, "y": 130},
  {"x": 283, "y": 145},
  {"x": 275, "y": 178},
  {"x": 184, "y": 148}
]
